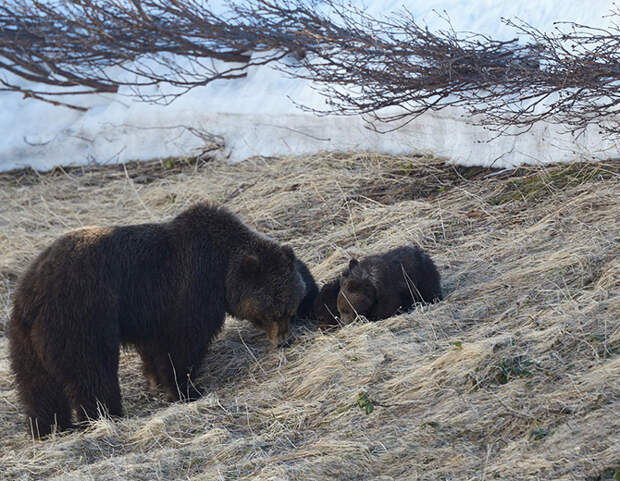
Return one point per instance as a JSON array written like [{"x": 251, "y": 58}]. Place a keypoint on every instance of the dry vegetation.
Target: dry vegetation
[{"x": 514, "y": 376}]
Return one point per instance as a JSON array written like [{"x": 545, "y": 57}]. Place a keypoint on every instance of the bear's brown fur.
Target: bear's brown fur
[
  {"x": 380, "y": 285},
  {"x": 304, "y": 311},
  {"x": 325, "y": 305},
  {"x": 163, "y": 288}
]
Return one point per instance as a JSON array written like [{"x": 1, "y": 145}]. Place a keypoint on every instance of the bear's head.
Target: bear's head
[
  {"x": 356, "y": 297},
  {"x": 325, "y": 307},
  {"x": 266, "y": 289}
]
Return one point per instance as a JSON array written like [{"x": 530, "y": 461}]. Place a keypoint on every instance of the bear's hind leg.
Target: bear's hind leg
[
  {"x": 43, "y": 396},
  {"x": 95, "y": 391},
  {"x": 90, "y": 375}
]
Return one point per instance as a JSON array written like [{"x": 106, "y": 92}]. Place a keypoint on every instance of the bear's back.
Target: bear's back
[
  {"x": 417, "y": 273},
  {"x": 93, "y": 265},
  {"x": 407, "y": 270}
]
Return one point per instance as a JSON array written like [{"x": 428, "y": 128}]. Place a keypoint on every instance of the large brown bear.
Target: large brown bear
[
  {"x": 163, "y": 288},
  {"x": 380, "y": 285}
]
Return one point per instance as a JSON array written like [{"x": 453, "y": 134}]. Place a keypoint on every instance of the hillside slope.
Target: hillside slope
[{"x": 514, "y": 376}]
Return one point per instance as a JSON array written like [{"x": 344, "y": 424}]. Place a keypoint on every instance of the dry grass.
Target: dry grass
[{"x": 514, "y": 376}]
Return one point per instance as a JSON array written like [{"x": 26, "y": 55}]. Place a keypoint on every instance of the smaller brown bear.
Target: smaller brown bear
[
  {"x": 380, "y": 285},
  {"x": 326, "y": 306}
]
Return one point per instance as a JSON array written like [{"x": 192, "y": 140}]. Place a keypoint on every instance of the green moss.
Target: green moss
[
  {"x": 609, "y": 474},
  {"x": 509, "y": 369},
  {"x": 547, "y": 181}
]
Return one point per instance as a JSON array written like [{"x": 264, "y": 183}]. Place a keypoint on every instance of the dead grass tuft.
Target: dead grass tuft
[{"x": 514, "y": 376}]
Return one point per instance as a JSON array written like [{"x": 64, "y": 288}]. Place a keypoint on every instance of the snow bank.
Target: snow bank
[{"x": 255, "y": 115}]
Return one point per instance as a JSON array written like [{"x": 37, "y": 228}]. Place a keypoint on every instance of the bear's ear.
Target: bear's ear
[
  {"x": 288, "y": 252},
  {"x": 353, "y": 263},
  {"x": 249, "y": 266}
]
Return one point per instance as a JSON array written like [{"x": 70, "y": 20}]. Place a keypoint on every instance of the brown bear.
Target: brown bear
[
  {"x": 325, "y": 305},
  {"x": 163, "y": 288},
  {"x": 380, "y": 285},
  {"x": 305, "y": 309}
]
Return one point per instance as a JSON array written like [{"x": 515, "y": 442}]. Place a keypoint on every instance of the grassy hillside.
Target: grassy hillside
[{"x": 513, "y": 377}]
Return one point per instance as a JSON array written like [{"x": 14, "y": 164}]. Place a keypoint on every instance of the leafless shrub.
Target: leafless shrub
[
  {"x": 364, "y": 65},
  {"x": 390, "y": 69},
  {"x": 91, "y": 46}
]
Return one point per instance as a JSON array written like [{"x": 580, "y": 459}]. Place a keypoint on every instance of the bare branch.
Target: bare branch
[{"x": 388, "y": 70}]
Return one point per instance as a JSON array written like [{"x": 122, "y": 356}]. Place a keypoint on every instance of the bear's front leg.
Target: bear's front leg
[{"x": 174, "y": 370}]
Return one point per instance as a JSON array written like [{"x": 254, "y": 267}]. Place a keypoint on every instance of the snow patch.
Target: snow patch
[{"x": 256, "y": 115}]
